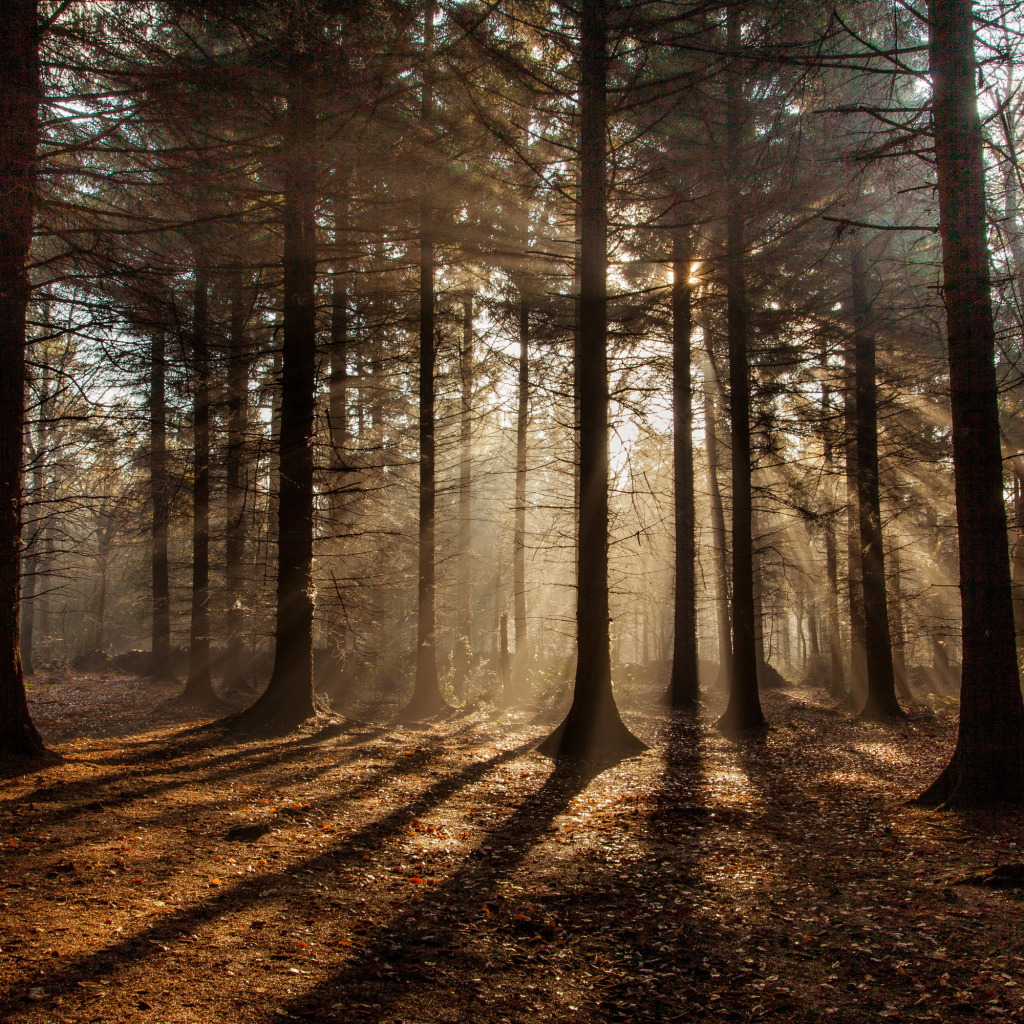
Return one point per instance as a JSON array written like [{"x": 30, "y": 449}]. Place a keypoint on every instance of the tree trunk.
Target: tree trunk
[
  {"x": 836, "y": 683},
  {"x": 237, "y": 671},
  {"x": 857, "y": 693},
  {"x": 592, "y": 728},
  {"x": 522, "y": 656},
  {"x": 720, "y": 538},
  {"x": 684, "y": 688},
  {"x": 987, "y": 766},
  {"x": 1017, "y": 562},
  {"x": 464, "y": 639},
  {"x": 881, "y": 704},
  {"x": 19, "y": 105},
  {"x": 337, "y": 407},
  {"x": 161, "y": 658},
  {"x": 199, "y": 687},
  {"x": 743, "y": 712},
  {"x": 426, "y": 697},
  {"x": 30, "y": 572},
  {"x": 288, "y": 698}
]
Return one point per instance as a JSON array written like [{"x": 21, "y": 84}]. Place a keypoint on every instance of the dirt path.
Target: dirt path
[{"x": 369, "y": 873}]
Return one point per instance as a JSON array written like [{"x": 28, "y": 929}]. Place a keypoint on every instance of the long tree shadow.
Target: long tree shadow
[
  {"x": 819, "y": 829},
  {"x": 114, "y": 791},
  {"x": 452, "y": 921},
  {"x": 149, "y": 941},
  {"x": 666, "y": 949}
]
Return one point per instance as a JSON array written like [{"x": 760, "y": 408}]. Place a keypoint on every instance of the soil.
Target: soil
[{"x": 362, "y": 871}]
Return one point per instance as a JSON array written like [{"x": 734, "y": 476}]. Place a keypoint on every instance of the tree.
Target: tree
[
  {"x": 743, "y": 712},
  {"x": 592, "y": 728},
  {"x": 160, "y": 661},
  {"x": 427, "y": 698},
  {"x": 684, "y": 687},
  {"x": 19, "y": 106},
  {"x": 288, "y": 698},
  {"x": 199, "y": 686},
  {"x": 987, "y": 766},
  {"x": 881, "y": 704}
]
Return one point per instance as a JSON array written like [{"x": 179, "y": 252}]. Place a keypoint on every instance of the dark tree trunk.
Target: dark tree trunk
[
  {"x": 30, "y": 573},
  {"x": 755, "y": 547},
  {"x": 987, "y": 766},
  {"x": 857, "y": 693},
  {"x": 19, "y": 105},
  {"x": 1017, "y": 562},
  {"x": 720, "y": 538},
  {"x": 288, "y": 698},
  {"x": 684, "y": 688},
  {"x": 337, "y": 407},
  {"x": 522, "y": 658},
  {"x": 592, "y": 727},
  {"x": 274, "y": 482},
  {"x": 49, "y": 492},
  {"x": 426, "y": 697},
  {"x": 881, "y": 704},
  {"x": 743, "y": 712},
  {"x": 337, "y": 410},
  {"x": 812, "y": 631},
  {"x": 464, "y": 640},
  {"x": 199, "y": 687},
  {"x": 160, "y": 661},
  {"x": 237, "y": 672},
  {"x": 836, "y": 683}
]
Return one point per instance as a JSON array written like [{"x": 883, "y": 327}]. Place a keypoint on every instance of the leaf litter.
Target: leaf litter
[{"x": 377, "y": 873}]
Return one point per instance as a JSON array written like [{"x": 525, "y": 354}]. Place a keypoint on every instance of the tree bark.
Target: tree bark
[
  {"x": 881, "y": 704},
  {"x": 237, "y": 671},
  {"x": 19, "y": 106},
  {"x": 592, "y": 729},
  {"x": 338, "y": 398},
  {"x": 857, "y": 693},
  {"x": 684, "y": 688},
  {"x": 987, "y": 766},
  {"x": 199, "y": 686},
  {"x": 30, "y": 574},
  {"x": 743, "y": 712},
  {"x": 288, "y": 698},
  {"x": 160, "y": 658},
  {"x": 836, "y": 682},
  {"x": 464, "y": 640},
  {"x": 427, "y": 699},
  {"x": 720, "y": 538},
  {"x": 522, "y": 655}
]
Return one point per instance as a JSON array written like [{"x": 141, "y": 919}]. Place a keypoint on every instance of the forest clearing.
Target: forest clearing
[{"x": 358, "y": 871}]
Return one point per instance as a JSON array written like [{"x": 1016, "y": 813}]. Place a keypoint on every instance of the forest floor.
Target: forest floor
[{"x": 361, "y": 871}]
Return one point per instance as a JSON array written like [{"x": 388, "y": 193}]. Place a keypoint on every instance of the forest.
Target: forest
[{"x": 511, "y": 510}]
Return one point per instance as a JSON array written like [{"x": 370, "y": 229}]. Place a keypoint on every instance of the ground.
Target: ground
[{"x": 364, "y": 872}]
